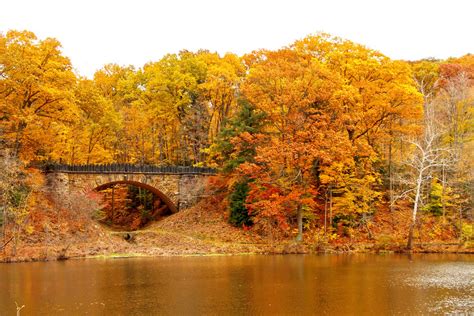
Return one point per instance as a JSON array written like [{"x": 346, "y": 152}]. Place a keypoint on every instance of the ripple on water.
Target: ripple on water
[
  {"x": 455, "y": 306},
  {"x": 448, "y": 276},
  {"x": 456, "y": 278}
]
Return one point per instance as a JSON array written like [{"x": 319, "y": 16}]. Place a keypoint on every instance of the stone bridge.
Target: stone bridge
[{"x": 178, "y": 187}]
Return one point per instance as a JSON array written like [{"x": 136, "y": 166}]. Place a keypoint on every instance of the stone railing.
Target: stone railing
[{"x": 127, "y": 168}]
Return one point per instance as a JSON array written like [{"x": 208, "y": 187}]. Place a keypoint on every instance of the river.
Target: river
[{"x": 242, "y": 285}]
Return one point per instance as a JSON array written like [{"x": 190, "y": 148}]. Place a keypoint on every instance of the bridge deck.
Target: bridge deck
[{"x": 129, "y": 169}]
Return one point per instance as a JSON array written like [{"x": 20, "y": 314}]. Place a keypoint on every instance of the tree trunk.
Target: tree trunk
[
  {"x": 19, "y": 135},
  {"x": 443, "y": 192},
  {"x": 390, "y": 175},
  {"x": 4, "y": 226},
  {"x": 299, "y": 238},
  {"x": 325, "y": 213},
  {"x": 419, "y": 183},
  {"x": 330, "y": 208}
]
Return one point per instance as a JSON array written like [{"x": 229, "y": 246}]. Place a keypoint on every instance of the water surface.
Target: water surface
[{"x": 238, "y": 285}]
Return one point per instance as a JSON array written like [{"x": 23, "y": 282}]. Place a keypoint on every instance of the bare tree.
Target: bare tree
[
  {"x": 440, "y": 150},
  {"x": 428, "y": 155}
]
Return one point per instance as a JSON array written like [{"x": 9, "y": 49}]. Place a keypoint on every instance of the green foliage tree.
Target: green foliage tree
[
  {"x": 239, "y": 214},
  {"x": 228, "y": 152}
]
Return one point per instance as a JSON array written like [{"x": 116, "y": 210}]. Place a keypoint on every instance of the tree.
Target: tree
[
  {"x": 234, "y": 146},
  {"x": 427, "y": 156},
  {"x": 331, "y": 105},
  {"x": 228, "y": 151},
  {"x": 456, "y": 113},
  {"x": 239, "y": 214},
  {"x": 112, "y": 92},
  {"x": 289, "y": 88},
  {"x": 373, "y": 101},
  {"x": 168, "y": 91},
  {"x": 219, "y": 90},
  {"x": 36, "y": 91},
  {"x": 97, "y": 125}
]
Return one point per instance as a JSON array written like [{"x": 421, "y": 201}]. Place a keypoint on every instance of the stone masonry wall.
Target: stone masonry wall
[
  {"x": 192, "y": 189},
  {"x": 183, "y": 190}
]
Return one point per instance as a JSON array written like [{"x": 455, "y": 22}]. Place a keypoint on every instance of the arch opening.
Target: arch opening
[{"x": 132, "y": 205}]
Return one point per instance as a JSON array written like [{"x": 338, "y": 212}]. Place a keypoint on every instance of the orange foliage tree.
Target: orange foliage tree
[{"x": 331, "y": 105}]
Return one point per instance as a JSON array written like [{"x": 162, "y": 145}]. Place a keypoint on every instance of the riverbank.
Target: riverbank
[{"x": 195, "y": 232}]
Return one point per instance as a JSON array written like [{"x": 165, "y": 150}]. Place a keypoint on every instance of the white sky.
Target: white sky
[{"x": 96, "y": 32}]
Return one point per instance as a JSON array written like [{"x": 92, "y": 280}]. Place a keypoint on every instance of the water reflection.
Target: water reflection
[{"x": 336, "y": 285}]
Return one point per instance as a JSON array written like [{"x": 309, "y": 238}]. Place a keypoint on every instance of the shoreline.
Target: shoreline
[
  {"x": 198, "y": 232},
  {"x": 268, "y": 250}
]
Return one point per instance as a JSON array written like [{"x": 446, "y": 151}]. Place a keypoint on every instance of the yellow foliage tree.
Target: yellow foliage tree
[{"x": 36, "y": 93}]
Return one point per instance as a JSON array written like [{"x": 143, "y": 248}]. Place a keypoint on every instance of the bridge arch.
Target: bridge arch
[{"x": 171, "y": 206}]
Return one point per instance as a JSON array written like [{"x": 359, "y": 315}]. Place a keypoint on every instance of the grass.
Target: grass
[{"x": 118, "y": 255}]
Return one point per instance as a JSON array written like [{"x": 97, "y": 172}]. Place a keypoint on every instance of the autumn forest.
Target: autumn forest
[{"x": 324, "y": 142}]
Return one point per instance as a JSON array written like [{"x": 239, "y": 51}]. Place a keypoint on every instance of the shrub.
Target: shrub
[{"x": 467, "y": 232}]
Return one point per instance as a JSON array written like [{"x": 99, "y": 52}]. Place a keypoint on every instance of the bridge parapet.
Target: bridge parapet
[{"x": 129, "y": 168}]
